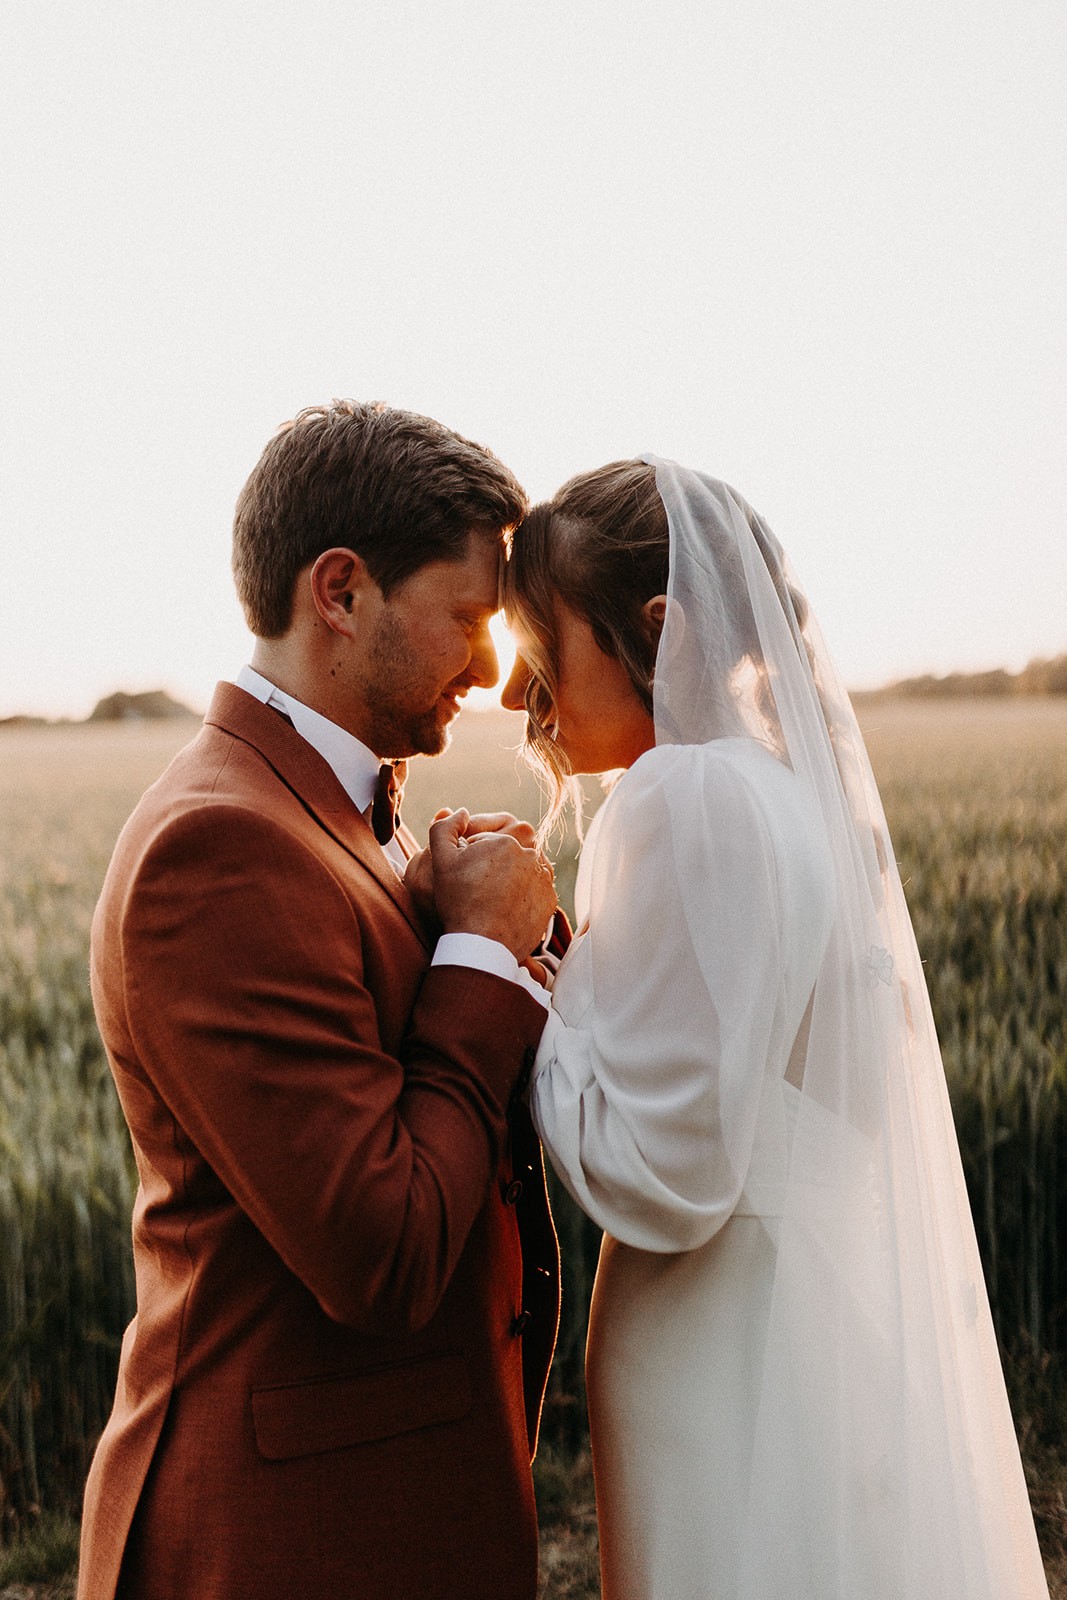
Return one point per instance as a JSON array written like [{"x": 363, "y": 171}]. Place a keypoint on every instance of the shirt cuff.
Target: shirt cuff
[{"x": 486, "y": 955}]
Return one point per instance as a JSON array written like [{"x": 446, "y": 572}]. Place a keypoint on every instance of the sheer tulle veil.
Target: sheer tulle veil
[{"x": 880, "y": 1360}]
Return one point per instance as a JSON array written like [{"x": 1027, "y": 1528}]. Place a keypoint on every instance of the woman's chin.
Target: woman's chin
[{"x": 595, "y": 766}]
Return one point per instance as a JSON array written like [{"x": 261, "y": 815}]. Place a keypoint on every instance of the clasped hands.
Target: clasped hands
[{"x": 485, "y": 874}]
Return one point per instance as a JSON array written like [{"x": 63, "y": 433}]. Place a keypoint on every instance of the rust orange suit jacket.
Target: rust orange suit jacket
[{"x": 332, "y": 1384}]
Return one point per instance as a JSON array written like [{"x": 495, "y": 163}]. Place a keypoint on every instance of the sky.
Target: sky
[{"x": 816, "y": 249}]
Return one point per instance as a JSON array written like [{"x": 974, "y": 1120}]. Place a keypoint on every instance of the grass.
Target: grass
[
  {"x": 42, "y": 1558},
  {"x": 566, "y": 1505},
  {"x": 976, "y": 795}
]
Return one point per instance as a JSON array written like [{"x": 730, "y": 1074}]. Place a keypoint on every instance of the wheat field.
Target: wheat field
[{"x": 976, "y": 797}]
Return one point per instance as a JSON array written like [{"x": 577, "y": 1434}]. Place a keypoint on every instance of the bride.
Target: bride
[{"x": 794, "y": 1388}]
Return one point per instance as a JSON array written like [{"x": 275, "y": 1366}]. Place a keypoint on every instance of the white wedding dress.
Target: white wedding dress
[
  {"x": 794, "y": 1389},
  {"x": 680, "y": 1155}
]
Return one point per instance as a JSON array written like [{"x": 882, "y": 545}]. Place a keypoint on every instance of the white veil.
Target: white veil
[{"x": 880, "y": 1360}]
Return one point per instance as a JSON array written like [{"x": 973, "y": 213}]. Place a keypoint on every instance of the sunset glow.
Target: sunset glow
[
  {"x": 486, "y": 699},
  {"x": 813, "y": 250}
]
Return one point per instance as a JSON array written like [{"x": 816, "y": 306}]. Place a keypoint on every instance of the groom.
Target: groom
[{"x": 346, "y": 1271}]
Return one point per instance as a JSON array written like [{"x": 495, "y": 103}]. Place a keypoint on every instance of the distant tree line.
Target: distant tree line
[
  {"x": 155, "y": 705},
  {"x": 1041, "y": 677}
]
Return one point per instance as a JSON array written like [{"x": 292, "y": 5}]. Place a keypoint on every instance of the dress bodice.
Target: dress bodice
[{"x": 660, "y": 1085}]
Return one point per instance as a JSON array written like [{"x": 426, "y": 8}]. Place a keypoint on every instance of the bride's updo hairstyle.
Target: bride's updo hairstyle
[{"x": 601, "y": 546}]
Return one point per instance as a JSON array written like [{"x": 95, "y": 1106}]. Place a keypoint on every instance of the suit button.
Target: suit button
[
  {"x": 519, "y": 1323},
  {"x": 513, "y": 1192}
]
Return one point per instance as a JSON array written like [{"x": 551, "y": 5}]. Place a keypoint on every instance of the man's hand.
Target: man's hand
[
  {"x": 418, "y": 875},
  {"x": 418, "y": 879},
  {"x": 488, "y": 881}
]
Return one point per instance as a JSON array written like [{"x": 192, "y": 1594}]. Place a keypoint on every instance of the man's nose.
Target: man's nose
[
  {"x": 513, "y": 694},
  {"x": 484, "y": 668}
]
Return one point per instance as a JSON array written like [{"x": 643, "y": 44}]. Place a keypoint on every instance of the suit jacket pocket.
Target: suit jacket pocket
[{"x": 304, "y": 1419}]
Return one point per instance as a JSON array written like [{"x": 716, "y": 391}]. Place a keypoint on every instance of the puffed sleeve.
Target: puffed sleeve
[{"x": 647, "y": 1103}]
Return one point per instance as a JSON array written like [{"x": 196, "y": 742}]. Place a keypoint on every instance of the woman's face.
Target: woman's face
[{"x": 601, "y": 725}]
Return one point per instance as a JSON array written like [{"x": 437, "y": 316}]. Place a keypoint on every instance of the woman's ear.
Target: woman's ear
[
  {"x": 662, "y": 613},
  {"x": 653, "y": 615}
]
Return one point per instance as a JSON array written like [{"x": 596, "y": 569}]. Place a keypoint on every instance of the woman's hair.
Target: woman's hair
[{"x": 601, "y": 547}]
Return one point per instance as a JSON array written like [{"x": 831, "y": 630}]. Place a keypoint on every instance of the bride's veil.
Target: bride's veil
[{"x": 883, "y": 1431}]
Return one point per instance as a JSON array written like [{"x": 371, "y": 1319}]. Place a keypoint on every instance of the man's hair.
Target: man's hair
[{"x": 399, "y": 489}]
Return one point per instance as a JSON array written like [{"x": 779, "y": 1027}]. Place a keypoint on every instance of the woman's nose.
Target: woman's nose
[{"x": 513, "y": 694}]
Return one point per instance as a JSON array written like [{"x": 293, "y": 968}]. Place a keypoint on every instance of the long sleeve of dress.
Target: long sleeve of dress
[{"x": 649, "y": 1077}]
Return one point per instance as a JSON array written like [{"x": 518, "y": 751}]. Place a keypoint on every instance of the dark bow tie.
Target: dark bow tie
[{"x": 388, "y": 793}]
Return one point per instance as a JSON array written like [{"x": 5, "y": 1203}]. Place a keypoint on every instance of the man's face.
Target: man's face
[{"x": 428, "y": 644}]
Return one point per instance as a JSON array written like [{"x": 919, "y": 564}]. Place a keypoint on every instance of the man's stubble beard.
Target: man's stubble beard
[{"x": 394, "y": 693}]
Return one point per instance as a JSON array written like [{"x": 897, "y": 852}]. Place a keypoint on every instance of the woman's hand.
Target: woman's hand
[{"x": 500, "y": 822}]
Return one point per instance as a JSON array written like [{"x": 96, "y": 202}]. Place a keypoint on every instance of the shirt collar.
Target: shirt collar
[{"x": 354, "y": 766}]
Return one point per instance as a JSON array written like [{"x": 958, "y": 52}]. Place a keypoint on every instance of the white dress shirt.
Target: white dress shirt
[{"x": 356, "y": 770}]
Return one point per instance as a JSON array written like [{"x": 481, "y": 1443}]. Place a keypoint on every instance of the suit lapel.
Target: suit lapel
[{"x": 314, "y": 783}]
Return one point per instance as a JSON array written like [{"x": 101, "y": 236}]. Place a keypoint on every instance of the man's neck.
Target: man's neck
[
  {"x": 295, "y": 676},
  {"x": 354, "y": 765}
]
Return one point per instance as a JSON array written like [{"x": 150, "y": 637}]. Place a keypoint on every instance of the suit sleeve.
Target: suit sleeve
[{"x": 246, "y": 1001}]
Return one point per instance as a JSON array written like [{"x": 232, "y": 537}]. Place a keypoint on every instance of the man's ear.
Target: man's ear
[{"x": 341, "y": 589}]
